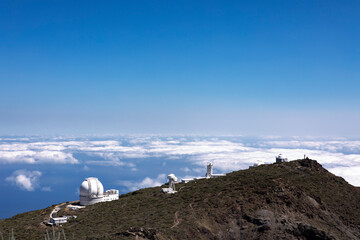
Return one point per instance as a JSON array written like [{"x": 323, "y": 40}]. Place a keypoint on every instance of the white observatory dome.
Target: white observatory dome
[
  {"x": 172, "y": 177},
  {"x": 91, "y": 191}
]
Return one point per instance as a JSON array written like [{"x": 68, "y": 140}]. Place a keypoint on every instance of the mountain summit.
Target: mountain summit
[{"x": 291, "y": 200}]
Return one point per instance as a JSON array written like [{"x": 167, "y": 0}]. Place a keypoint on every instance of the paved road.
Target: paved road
[{"x": 57, "y": 209}]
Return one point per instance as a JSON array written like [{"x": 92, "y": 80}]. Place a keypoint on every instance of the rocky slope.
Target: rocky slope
[{"x": 294, "y": 200}]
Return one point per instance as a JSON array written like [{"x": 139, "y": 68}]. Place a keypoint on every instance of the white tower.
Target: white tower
[
  {"x": 172, "y": 181},
  {"x": 209, "y": 170}
]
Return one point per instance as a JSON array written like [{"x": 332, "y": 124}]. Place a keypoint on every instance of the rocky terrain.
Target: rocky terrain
[{"x": 294, "y": 200}]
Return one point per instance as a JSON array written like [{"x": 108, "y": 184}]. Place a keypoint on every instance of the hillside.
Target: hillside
[{"x": 293, "y": 200}]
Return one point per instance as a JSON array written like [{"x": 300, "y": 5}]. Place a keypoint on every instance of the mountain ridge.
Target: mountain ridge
[{"x": 292, "y": 200}]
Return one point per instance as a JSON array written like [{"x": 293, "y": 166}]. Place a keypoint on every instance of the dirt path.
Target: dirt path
[{"x": 176, "y": 220}]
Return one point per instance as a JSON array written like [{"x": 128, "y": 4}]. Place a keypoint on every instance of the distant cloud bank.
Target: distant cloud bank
[
  {"x": 34, "y": 152},
  {"x": 340, "y": 156}
]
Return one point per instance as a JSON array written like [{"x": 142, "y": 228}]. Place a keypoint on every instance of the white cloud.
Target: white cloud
[
  {"x": 350, "y": 174},
  {"x": 115, "y": 163},
  {"x": 227, "y": 153},
  {"x": 344, "y": 146},
  {"x": 145, "y": 183},
  {"x": 25, "y": 180},
  {"x": 18, "y": 156},
  {"x": 42, "y": 153},
  {"x": 55, "y": 157}
]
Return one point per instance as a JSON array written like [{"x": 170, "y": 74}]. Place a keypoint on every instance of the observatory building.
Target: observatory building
[
  {"x": 280, "y": 159},
  {"x": 92, "y": 191},
  {"x": 209, "y": 174},
  {"x": 257, "y": 163},
  {"x": 172, "y": 180}
]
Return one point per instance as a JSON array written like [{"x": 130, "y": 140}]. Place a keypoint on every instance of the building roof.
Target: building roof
[{"x": 91, "y": 187}]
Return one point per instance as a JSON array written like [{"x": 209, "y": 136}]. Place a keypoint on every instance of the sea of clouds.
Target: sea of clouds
[{"x": 340, "y": 156}]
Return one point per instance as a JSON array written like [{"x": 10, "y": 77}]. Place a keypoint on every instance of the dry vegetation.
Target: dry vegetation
[{"x": 295, "y": 200}]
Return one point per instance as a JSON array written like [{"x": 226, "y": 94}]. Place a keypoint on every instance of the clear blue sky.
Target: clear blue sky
[{"x": 204, "y": 67}]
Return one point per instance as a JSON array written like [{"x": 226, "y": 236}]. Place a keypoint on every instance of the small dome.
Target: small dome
[
  {"x": 172, "y": 177},
  {"x": 91, "y": 187}
]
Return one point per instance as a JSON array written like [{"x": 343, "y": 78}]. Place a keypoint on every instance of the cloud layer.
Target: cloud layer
[
  {"x": 35, "y": 152},
  {"x": 340, "y": 156}
]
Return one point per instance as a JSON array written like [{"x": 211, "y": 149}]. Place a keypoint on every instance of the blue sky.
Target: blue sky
[
  {"x": 130, "y": 91},
  {"x": 180, "y": 67}
]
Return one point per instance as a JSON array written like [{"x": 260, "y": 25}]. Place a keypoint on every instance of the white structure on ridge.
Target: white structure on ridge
[
  {"x": 74, "y": 207},
  {"x": 209, "y": 172},
  {"x": 58, "y": 220},
  {"x": 92, "y": 191},
  {"x": 172, "y": 180},
  {"x": 258, "y": 163},
  {"x": 280, "y": 159}
]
